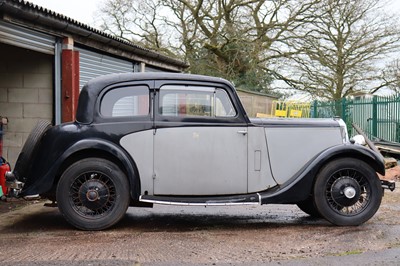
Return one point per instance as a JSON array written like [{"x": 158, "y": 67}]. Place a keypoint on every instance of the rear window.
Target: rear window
[{"x": 126, "y": 102}]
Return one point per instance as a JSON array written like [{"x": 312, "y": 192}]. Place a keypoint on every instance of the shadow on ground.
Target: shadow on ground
[{"x": 169, "y": 219}]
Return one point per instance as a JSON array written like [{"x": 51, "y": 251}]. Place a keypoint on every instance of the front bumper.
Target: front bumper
[{"x": 391, "y": 185}]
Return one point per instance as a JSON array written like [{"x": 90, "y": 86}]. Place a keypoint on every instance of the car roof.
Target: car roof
[
  {"x": 93, "y": 88},
  {"x": 98, "y": 84}
]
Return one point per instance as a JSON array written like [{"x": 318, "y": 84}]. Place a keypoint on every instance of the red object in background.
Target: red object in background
[
  {"x": 4, "y": 167},
  {"x": 1, "y": 138},
  {"x": 69, "y": 84},
  {"x": 3, "y": 121}
]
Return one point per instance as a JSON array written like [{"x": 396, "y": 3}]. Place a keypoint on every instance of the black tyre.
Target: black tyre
[
  {"x": 93, "y": 194},
  {"x": 22, "y": 165},
  {"x": 308, "y": 206},
  {"x": 347, "y": 192}
]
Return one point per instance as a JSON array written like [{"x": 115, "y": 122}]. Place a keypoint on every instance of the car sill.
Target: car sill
[{"x": 251, "y": 199}]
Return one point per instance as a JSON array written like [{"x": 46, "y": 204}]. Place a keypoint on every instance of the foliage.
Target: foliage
[
  {"x": 339, "y": 54},
  {"x": 327, "y": 48}
]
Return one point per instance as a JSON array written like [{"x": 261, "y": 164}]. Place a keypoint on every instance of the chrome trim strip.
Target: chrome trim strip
[
  {"x": 259, "y": 198},
  {"x": 198, "y": 204}
]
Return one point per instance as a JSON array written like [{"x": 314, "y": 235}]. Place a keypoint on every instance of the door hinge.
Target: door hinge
[{"x": 154, "y": 176}]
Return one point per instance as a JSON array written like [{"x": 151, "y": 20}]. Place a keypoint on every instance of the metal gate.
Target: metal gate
[{"x": 378, "y": 116}]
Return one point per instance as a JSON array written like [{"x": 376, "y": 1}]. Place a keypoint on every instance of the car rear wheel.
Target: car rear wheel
[
  {"x": 93, "y": 194},
  {"x": 347, "y": 192}
]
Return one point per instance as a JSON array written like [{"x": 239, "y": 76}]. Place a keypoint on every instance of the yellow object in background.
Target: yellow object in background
[{"x": 292, "y": 109}]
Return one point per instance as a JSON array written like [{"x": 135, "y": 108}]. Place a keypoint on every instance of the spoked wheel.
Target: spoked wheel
[
  {"x": 93, "y": 194},
  {"x": 347, "y": 192}
]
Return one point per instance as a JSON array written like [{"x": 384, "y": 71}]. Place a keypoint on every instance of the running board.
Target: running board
[{"x": 250, "y": 199}]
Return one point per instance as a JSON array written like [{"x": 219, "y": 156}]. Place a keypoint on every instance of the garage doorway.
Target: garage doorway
[{"x": 26, "y": 94}]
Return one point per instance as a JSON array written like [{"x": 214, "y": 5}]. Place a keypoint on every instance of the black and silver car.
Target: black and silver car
[{"x": 141, "y": 139}]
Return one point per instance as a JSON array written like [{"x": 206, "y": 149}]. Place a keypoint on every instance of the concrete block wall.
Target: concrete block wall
[{"x": 26, "y": 95}]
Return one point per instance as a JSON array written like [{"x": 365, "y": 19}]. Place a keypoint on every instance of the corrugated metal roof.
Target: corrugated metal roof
[{"x": 40, "y": 15}]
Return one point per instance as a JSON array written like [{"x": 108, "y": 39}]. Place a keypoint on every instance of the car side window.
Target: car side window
[
  {"x": 193, "y": 101},
  {"x": 223, "y": 104},
  {"x": 126, "y": 102}
]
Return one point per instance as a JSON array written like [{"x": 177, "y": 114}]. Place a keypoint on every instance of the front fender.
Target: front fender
[
  {"x": 43, "y": 183},
  {"x": 299, "y": 187}
]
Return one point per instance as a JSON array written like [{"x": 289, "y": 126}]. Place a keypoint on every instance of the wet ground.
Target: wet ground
[{"x": 165, "y": 235}]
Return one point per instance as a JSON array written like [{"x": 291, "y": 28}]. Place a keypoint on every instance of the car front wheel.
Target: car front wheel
[
  {"x": 308, "y": 207},
  {"x": 347, "y": 192},
  {"x": 93, "y": 194}
]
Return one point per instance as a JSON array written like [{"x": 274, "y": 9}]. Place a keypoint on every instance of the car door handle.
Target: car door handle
[{"x": 244, "y": 132}]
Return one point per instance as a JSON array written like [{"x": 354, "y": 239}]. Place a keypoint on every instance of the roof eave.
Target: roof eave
[{"x": 37, "y": 15}]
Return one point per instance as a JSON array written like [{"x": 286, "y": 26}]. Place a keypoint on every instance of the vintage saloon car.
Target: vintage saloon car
[{"x": 142, "y": 139}]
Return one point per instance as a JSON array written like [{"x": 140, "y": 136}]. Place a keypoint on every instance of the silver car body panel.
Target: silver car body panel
[
  {"x": 223, "y": 160},
  {"x": 292, "y": 143},
  {"x": 259, "y": 175},
  {"x": 200, "y": 161},
  {"x": 292, "y": 148},
  {"x": 140, "y": 147},
  {"x": 176, "y": 163}
]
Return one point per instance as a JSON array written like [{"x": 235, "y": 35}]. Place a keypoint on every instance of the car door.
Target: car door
[{"x": 200, "y": 142}]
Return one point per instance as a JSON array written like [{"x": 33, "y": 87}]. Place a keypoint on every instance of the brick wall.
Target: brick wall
[{"x": 26, "y": 94}]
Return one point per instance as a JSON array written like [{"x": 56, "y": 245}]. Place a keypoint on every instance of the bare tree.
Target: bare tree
[
  {"x": 342, "y": 49},
  {"x": 141, "y": 22},
  {"x": 235, "y": 39},
  {"x": 240, "y": 39},
  {"x": 391, "y": 75},
  {"x": 327, "y": 48}
]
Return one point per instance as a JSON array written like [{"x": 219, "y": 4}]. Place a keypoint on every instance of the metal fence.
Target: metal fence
[{"x": 378, "y": 116}]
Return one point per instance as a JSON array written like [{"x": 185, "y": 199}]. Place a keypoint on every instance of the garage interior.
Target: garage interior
[{"x": 26, "y": 94}]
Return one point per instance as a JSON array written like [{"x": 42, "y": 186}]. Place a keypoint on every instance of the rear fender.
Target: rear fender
[{"x": 90, "y": 147}]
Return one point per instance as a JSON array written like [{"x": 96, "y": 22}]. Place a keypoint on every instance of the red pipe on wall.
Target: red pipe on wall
[{"x": 70, "y": 83}]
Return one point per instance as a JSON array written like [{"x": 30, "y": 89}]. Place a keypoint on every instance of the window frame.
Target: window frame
[
  {"x": 148, "y": 117},
  {"x": 177, "y": 89}
]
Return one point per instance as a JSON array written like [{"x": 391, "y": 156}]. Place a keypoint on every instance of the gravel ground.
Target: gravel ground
[{"x": 166, "y": 235}]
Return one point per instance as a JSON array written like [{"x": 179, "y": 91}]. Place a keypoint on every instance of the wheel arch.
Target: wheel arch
[
  {"x": 366, "y": 155},
  {"x": 105, "y": 150},
  {"x": 300, "y": 186}
]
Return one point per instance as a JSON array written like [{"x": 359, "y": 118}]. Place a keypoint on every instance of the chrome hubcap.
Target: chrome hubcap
[
  {"x": 92, "y": 195},
  {"x": 349, "y": 192},
  {"x": 345, "y": 191}
]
